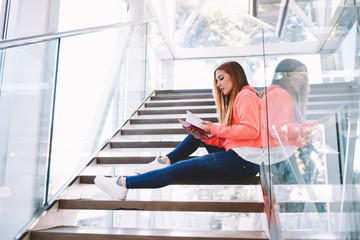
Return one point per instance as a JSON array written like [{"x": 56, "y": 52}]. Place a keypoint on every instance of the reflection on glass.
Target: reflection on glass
[
  {"x": 286, "y": 101},
  {"x": 299, "y": 155},
  {"x": 290, "y": 140}
]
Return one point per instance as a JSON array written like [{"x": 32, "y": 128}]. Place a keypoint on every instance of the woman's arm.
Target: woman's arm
[{"x": 246, "y": 119}]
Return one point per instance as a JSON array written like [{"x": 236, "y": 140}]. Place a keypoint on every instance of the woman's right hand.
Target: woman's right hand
[{"x": 196, "y": 134}]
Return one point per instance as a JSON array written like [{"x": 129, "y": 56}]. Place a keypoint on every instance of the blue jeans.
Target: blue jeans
[{"x": 217, "y": 165}]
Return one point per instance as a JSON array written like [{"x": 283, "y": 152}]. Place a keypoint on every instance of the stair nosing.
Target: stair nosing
[
  {"x": 182, "y": 206},
  {"x": 145, "y": 233}
]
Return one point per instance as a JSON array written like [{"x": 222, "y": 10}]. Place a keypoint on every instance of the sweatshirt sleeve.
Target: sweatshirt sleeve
[{"x": 246, "y": 122}]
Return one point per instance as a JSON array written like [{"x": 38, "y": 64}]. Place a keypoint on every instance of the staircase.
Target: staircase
[
  {"x": 190, "y": 210},
  {"x": 184, "y": 210}
]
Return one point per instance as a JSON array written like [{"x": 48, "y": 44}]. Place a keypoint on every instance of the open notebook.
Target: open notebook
[{"x": 194, "y": 122}]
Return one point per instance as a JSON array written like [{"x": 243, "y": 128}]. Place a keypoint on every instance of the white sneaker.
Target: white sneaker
[
  {"x": 154, "y": 165},
  {"x": 109, "y": 185}
]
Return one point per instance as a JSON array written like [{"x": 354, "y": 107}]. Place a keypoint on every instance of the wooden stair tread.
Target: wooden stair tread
[
  {"x": 124, "y": 159},
  {"x": 183, "y": 100},
  {"x": 171, "y": 91},
  {"x": 186, "y": 206},
  {"x": 143, "y": 144},
  {"x": 190, "y": 108},
  {"x": 174, "y": 116},
  {"x": 183, "y": 96},
  {"x": 188, "y": 102},
  {"x": 89, "y": 233},
  {"x": 153, "y": 126},
  {"x": 174, "y": 110},
  {"x": 165, "y": 120},
  {"x": 150, "y": 131}
]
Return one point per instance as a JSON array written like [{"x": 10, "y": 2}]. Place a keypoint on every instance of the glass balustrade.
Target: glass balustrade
[
  {"x": 100, "y": 82},
  {"x": 312, "y": 123},
  {"x": 60, "y": 101},
  {"x": 28, "y": 76}
]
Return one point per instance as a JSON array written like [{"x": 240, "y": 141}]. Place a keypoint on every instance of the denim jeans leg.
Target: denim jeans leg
[
  {"x": 184, "y": 149},
  {"x": 218, "y": 165},
  {"x": 188, "y": 146}
]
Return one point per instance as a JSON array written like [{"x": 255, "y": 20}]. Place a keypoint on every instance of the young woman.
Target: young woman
[{"x": 239, "y": 109}]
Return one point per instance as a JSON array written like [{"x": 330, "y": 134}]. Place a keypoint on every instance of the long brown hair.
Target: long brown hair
[
  {"x": 282, "y": 76},
  {"x": 224, "y": 103}
]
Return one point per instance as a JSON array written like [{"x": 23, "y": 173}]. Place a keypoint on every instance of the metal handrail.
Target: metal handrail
[{"x": 52, "y": 36}]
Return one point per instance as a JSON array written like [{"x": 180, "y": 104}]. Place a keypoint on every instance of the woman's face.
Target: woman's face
[
  {"x": 298, "y": 79},
  {"x": 223, "y": 82}
]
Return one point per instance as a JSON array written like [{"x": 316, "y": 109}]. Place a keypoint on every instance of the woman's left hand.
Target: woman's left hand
[{"x": 206, "y": 125}]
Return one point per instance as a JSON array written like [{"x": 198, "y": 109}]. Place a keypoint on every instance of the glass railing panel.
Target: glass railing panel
[
  {"x": 347, "y": 119},
  {"x": 101, "y": 82},
  {"x": 294, "y": 145},
  {"x": 312, "y": 118},
  {"x": 339, "y": 63},
  {"x": 26, "y": 98},
  {"x": 101, "y": 79}
]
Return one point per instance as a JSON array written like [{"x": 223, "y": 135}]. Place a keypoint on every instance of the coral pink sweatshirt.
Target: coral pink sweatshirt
[{"x": 245, "y": 129}]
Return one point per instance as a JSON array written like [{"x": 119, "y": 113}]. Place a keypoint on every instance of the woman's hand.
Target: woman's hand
[
  {"x": 206, "y": 125},
  {"x": 196, "y": 134}
]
